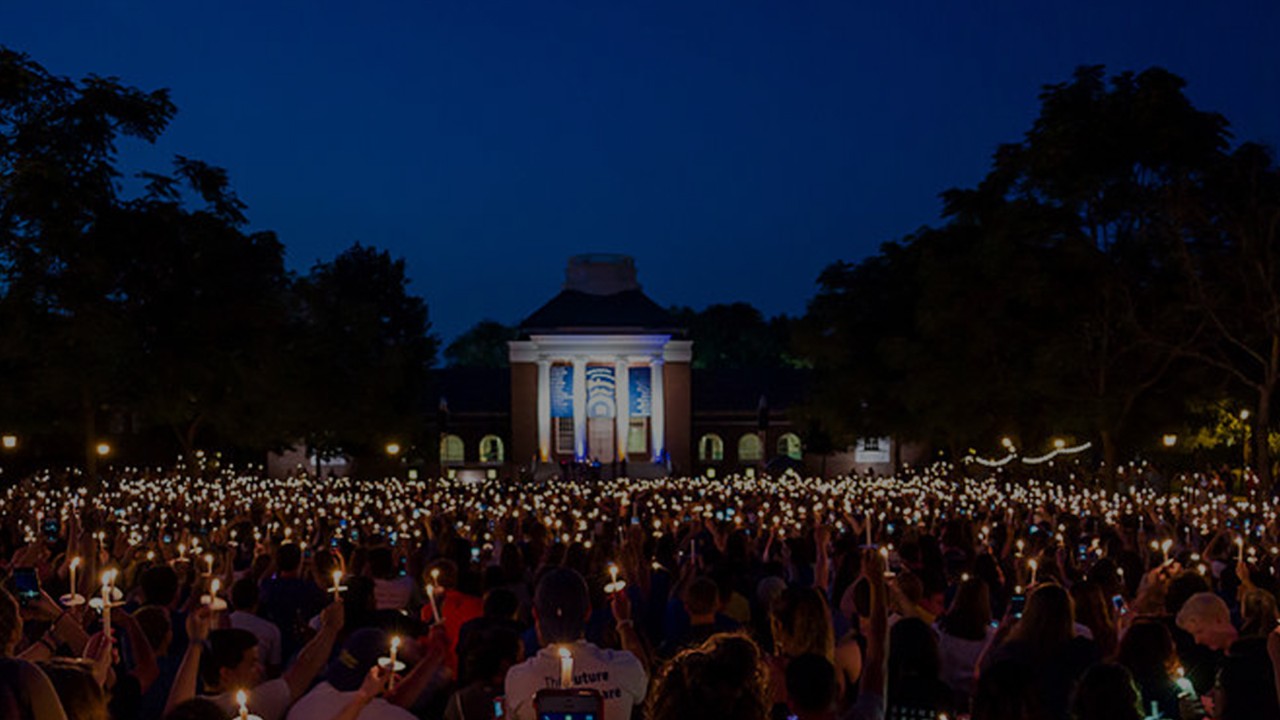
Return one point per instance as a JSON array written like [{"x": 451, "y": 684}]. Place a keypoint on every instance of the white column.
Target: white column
[
  {"x": 657, "y": 410},
  {"x": 622, "y": 401},
  {"x": 580, "y": 408},
  {"x": 544, "y": 409}
]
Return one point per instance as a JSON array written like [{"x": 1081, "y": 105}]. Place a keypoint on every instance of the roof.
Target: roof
[
  {"x": 740, "y": 390},
  {"x": 622, "y": 312}
]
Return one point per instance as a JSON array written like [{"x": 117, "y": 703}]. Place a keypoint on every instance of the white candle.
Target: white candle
[
  {"x": 613, "y": 573},
  {"x": 208, "y": 558},
  {"x": 431, "y": 597},
  {"x": 868, "y": 529},
  {"x": 106, "y": 604},
  {"x": 75, "y": 563},
  {"x": 337, "y": 583},
  {"x": 395, "y": 648},
  {"x": 566, "y": 668},
  {"x": 243, "y": 698},
  {"x": 1240, "y": 544},
  {"x": 1034, "y": 567}
]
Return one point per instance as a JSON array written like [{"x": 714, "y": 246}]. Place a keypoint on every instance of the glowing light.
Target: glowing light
[
  {"x": 103, "y": 449},
  {"x": 393, "y": 449}
]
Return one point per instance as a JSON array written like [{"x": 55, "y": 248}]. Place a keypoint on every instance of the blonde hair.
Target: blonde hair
[{"x": 802, "y": 624}]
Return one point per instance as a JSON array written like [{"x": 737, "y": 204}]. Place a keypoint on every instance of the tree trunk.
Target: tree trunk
[
  {"x": 1108, "y": 459},
  {"x": 89, "y": 420},
  {"x": 1262, "y": 440}
]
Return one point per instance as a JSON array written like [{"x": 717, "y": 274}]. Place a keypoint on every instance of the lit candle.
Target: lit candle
[
  {"x": 431, "y": 597},
  {"x": 106, "y": 604},
  {"x": 337, "y": 583},
  {"x": 1164, "y": 548},
  {"x": 75, "y": 563},
  {"x": 1034, "y": 567},
  {"x": 566, "y": 668},
  {"x": 1240, "y": 545},
  {"x": 395, "y": 648},
  {"x": 243, "y": 698},
  {"x": 613, "y": 574},
  {"x": 208, "y": 559}
]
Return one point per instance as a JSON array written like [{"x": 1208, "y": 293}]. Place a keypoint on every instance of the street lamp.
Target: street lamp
[
  {"x": 103, "y": 449},
  {"x": 393, "y": 449},
  {"x": 9, "y": 442},
  {"x": 1170, "y": 440},
  {"x": 1059, "y": 443}
]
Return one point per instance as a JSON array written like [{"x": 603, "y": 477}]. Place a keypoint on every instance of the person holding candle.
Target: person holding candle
[
  {"x": 22, "y": 683},
  {"x": 232, "y": 663},
  {"x": 355, "y": 686},
  {"x": 561, "y": 608},
  {"x": 454, "y": 606},
  {"x": 244, "y": 608},
  {"x": 289, "y": 598}
]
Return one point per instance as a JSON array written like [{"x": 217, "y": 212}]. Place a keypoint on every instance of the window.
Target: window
[
  {"x": 638, "y": 436},
  {"x": 491, "y": 449},
  {"x": 451, "y": 449},
  {"x": 871, "y": 444},
  {"x": 750, "y": 449},
  {"x": 790, "y": 446},
  {"x": 564, "y": 436},
  {"x": 711, "y": 448}
]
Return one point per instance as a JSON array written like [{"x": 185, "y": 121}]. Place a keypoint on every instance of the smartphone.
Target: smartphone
[
  {"x": 499, "y": 707},
  {"x": 575, "y": 704},
  {"x": 26, "y": 585},
  {"x": 1017, "y": 604},
  {"x": 475, "y": 554},
  {"x": 50, "y": 528},
  {"x": 1118, "y": 602}
]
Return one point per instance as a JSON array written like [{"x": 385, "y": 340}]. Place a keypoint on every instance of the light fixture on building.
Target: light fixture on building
[
  {"x": 1170, "y": 440},
  {"x": 104, "y": 449},
  {"x": 9, "y": 442},
  {"x": 1059, "y": 443},
  {"x": 393, "y": 449}
]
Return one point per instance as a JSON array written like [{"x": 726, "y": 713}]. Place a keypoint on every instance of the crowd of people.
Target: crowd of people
[{"x": 208, "y": 593}]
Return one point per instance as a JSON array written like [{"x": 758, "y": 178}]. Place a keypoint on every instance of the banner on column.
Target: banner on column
[
  {"x": 561, "y": 391},
  {"x": 641, "y": 393},
  {"x": 600, "y": 399}
]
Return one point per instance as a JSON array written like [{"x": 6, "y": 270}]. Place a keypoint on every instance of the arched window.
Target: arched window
[
  {"x": 491, "y": 449},
  {"x": 711, "y": 448},
  {"x": 750, "y": 449},
  {"x": 789, "y": 445},
  {"x": 452, "y": 449}
]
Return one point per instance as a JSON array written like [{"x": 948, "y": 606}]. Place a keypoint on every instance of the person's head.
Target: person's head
[
  {"x": 1258, "y": 611},
  {"x": 725, "y": 677},
  {"x": 231, "y": 660},
  {"x": 1048, "y": 622},
  {"x": 359, "y": 653},
  {"x": 288, "y": 558},
  {"x": 244, "y": 595},
  {"x": 1147, "y": 649},
  {"x": 1181, "y": 588},
  {"x": 913, "y": 663},
  {"x": 444, "y": 572},
  {"x": 1093, "y": 610},
  {"x": 496, "y": 651},
  {"x": 10, "y": 623},
  {"x": 561, "y": 605},
  {"x": 969, "y": 616},
  {"x": 801, "y": 624},
  {"x": 1008, "y": 690},
  {"x": 1206, "y": 618},
  {"x": 381, "y": 563},
  {"x": 501, "y": 604},
  {"x": 159, "y": 585},
  {"x": 156, "y": 627},
  {"x": 197, "y": 709},
  {"x": 811, "y": 686},
  {"x": 1107, "y": 692},
  {"x": 701, "y": 599},
  {"x": 81, "y": 695}
]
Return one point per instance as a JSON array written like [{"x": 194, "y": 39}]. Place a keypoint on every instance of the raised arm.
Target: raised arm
[
  {"x": 312, "y": 657},
  {"x": 184, "y": 684}
]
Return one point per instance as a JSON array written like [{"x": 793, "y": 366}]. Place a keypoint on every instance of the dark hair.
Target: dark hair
[
  {"x": 804, "y": 622},
  {"x": 1094, "y": 612},
  {"x": 288, "y": 558},
  {"x": 1181, "y": 588},
  {"x": 227, "y": 648},
  {"x": 811, "y": 684},
  {"x": 1008, "y": 690},
  {"x": 914, "y": 666},
  {"x": 501, "y": 603},
  {"x": 81, "y": 696},
  {"x": 244, "y": 594},
  {"x": 197, "y": 708},
  {"x": 492, "y": 653},
  {"x": 724, "y": 677},
  {"x": 1147, "y": 649},
  {"x": 159, "y": 585},
  {"x": 1048, "y": 623},
  {"x": 381, "y": 563},
  {"x": 155, "y": 624},
  {"x": 562, "y": 601},
  {"x": 1107, "y": 692},
  {"x": 969, "y": 616},
  {"x": 701, "y": 596}
]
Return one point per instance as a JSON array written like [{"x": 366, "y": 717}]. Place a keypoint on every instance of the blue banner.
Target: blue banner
[
  {"x": 641, "y": 394},
  {"x": 600, "y": 398},
  {"x": 561, "y": 391}
]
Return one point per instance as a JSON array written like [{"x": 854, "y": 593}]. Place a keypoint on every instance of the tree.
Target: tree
[
  {"x": 58, "y": 177},
  {"x": 369, "y": 350},
  {"x": 736, "y": 335},
  {"x": 483, "y": 345}
]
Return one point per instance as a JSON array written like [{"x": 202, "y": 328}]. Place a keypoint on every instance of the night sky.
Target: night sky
[{"x": 735, "y": 148}]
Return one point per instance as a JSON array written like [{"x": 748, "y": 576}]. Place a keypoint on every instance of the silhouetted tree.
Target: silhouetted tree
[{"x": 483, "y": 345}]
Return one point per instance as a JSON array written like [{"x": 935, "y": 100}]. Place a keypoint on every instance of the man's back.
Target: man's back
[{"x": 617, "y": 674}]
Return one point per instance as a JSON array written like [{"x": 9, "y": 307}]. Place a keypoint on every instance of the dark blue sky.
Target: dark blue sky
[{"x": 735, "y": 148}]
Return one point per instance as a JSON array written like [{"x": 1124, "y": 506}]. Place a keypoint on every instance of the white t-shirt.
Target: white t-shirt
[
  {"x": 324, "y": 702},
  {"x": 617, "y": 674},
  {"x": 269, "y": 701},
  {"x": 393, "y": 594},
  {"x": 266, "y": 631}
]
